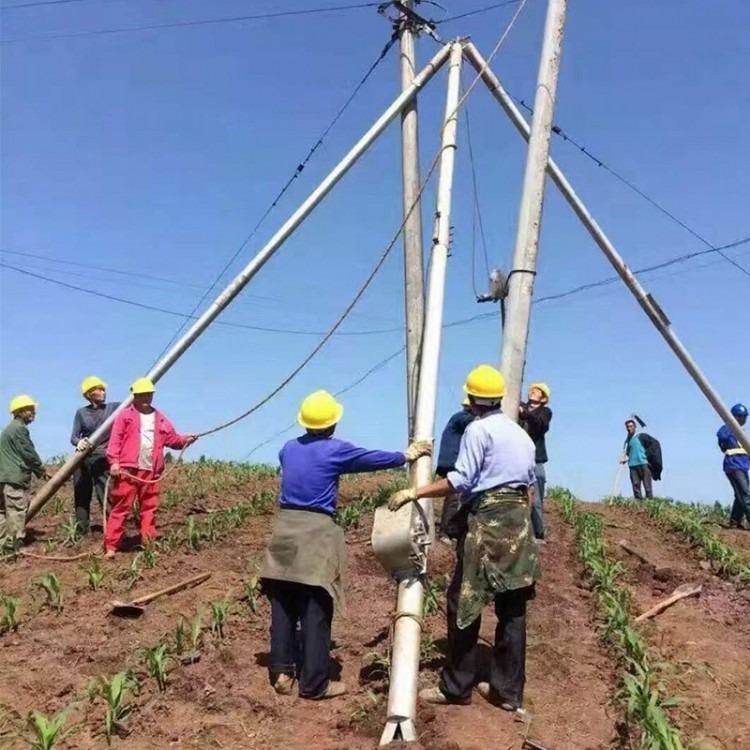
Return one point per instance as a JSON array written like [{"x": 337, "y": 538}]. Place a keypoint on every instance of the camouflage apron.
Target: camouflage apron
[
  {"x": 309, "y": 548},
  {"x": 499, "y": 551}
]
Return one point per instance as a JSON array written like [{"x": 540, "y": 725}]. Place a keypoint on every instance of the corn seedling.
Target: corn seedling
[
  {"x": 70, "y": 535},
  {"x": 9, "y": 620},
  {"x": 219, "y": 612},
  {"x": 50, "y": 584},
  {"x": 192, "y": 535},
  {"x": 56, "y": 506},
  {"x": 252, "y": 592},
  {"x": 94, "y": 574},
  {"x": 156, "y": 660},
  {"x": 47, "y": 731},
  {"x": 114, "y": 692},
  {"x": 196, "y": 633},
  {"x": 180, "y": 635},
  {"x": 150, "y": 553},
  {"x": 133, "y": 573}
]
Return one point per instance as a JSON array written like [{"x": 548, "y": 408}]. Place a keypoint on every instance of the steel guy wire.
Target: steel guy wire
[
  {"x": 295, "y": 175},
  {"x": 558, "y": 131},
  {"x": 188, "y": 24},
  {"x": 486, "y": 9}
]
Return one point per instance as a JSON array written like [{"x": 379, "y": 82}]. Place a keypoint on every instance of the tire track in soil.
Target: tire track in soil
[
  {"x": 224, "y": 701},
  {"x": 707, "y": 637}
]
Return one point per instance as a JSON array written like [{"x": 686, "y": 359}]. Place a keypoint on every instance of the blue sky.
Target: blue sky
[{"x": 156, "y": 152}]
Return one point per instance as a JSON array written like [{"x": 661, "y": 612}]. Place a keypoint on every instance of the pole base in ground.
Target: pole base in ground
[{"x": 398, "y": 728}]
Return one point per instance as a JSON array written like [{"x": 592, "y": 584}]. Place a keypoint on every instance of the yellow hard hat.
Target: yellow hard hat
[
  {"x": 319, "y": 411},
  {"x": 91, "y": 382},
  {"x": 543, "y": 387},
  {"x": 142, "y": 385},
  {"x": 21, "y": 402},
  {"x": 485, "y": 381}
]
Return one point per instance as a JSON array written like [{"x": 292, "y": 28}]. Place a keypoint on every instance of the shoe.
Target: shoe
[
  {"x": 334, "y": 690},
  {"x": 436, "y": 696},
  {"x": 540, "y": 541},
  {"x": 284, "y": 684},
  {"x": 484, "y": 689}
]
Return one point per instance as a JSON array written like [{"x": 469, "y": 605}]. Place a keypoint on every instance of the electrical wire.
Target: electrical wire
[
  {"x": 486, "y": 9},
  {"x": 295, "y": 175},
  {"x": 188, "y": 24},
  {"x": 558, "y": 131},
  {"x": 40, "y": 2}
]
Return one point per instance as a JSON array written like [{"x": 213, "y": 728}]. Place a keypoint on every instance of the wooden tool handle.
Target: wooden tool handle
[
  {"x": 669, "y": 601},
  {"x": 173, "y": 588}
]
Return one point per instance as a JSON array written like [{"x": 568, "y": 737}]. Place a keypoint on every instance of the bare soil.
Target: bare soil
[{"x": 224, "y": 701}]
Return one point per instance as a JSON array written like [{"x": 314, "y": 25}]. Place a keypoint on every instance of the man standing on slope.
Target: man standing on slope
[
  {"x": 496, "y": 559},
  {"x": 535, "y": 417},
  {"x": 136, "y": 459},
  {"x": 305, "y": 565},
  {"x": 18, "y": 461},
  {"x": 635, "y": 456},
  {"x": 450, "y": 442},
  {"x": 736, "y": 466},
  {"x": 93, "y": 472}
]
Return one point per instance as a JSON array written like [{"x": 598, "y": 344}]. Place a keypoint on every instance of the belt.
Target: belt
[{"x": 309, "y": 509}]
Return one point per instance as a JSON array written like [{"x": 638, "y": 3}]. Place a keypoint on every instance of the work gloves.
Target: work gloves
[
  {"x": 400, "y": 498},
  {"x": 417, "y": 449},
  {"x": 83, "y": 445}
]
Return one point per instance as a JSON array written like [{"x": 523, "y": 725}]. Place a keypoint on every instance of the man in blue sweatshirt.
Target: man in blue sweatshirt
[
  {"x": 304, "y": 569},
  {"x": 634, "y": 454},
  {"x": 736, "y": 467}
]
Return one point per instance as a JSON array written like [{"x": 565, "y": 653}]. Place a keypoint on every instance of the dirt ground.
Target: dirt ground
[{"x": 224, "y": 701}]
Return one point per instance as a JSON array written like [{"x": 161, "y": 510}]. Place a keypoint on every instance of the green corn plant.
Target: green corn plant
[
  {"x": 70, "y": 532},
  {"x": 9, "y": 620},
  {"x": 47, "y": 731},
  {"x": 252, "y": 592},
  {"x": 150, "y": 553},
  {"x": 50, "y": 584},
  {"x": 133, "y": 572},
  {"x": 192, "y": 535},
  {"x": 179, "y": 635},
  {"x": 211, "y": 530},
  {"x": 196, "y": 633},
  {"x": 94, "y": 574},
  {"x": 156, "y": 659},
  {"x": 56, "y": 505},
  {"x": 115, "y": 691},
  {"x": 219, "y": 612}
]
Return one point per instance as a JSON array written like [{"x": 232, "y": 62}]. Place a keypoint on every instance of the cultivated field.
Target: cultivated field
[{"x": 191, "y": 672}]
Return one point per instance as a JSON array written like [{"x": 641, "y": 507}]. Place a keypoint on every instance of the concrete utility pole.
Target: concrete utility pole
[
  {"x": 413, "y": 258},
  {"x": 248, "y": 272},
  {"x": 407, "y": 627},
  {"x": 521, "y": 282},
  {"x": 649, "y": 305}
]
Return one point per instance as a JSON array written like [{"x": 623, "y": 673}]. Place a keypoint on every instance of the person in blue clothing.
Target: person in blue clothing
[
  {"x": 736, "y": 467},
  {"x": 637, "y": 460},
  {"x": 304, "y": 569}
]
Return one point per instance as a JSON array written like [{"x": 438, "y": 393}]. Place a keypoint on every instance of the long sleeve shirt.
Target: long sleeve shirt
[
  {"x": 87, "y": 420},
  {"x": 495, "y": 452},
  {"x": 735, "y": 456},
  {"x": 536, "y": 423},
  {"x": 18, "y": 456},
  {"x": 635, "y": 451},
  {"x": 450, "y": 442},
  {"x": 311, "y": 466}
]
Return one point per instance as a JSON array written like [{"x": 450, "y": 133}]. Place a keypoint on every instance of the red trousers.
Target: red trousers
[{"x": 122, "y": 496}]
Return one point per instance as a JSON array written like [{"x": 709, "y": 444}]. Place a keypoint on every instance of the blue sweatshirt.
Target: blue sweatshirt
[
  {"x": 311, "y": 466},
  {"x": 735, "y": 457},
  {"x": 450, "y": 442}
]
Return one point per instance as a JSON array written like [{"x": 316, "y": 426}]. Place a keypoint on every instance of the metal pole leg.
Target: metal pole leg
[
  {"x": 402, "y": 694},
  {"x": 240, "y": 281},
  {"x": 645, "y": 300}
]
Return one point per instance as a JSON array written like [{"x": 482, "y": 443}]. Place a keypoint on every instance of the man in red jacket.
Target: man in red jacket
[{"x": 136, "y": 457}]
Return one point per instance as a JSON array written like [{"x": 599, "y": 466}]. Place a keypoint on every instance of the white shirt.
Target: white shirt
[
  {"x": 146, "y": 452},
  {"x": 494, "y": 452}
]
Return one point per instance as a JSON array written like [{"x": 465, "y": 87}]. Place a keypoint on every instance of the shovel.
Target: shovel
[
  {"x": 135, "y": 608},
  {"x": 681, "y": 592}
]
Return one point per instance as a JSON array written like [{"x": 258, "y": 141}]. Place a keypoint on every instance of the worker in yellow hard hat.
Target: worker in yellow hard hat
[
  {"x": 304, "y": 569},
  {"x": 93, "y": 471},
  {"x": 535, "y": 416},
  {"x": 451, "y": 522},
  {"x": 496, "y": 557},
  {"x": 135, "y": 452},
  {"x": 18, "y": 461}
]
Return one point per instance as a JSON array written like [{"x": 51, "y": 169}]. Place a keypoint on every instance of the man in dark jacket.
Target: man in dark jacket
[
  {"x": 636, "y": 457},
  {"x": 93, "y": 471},
  {"x": 450, "y": 442},
  {"x": 535, "y": 417},
  {"x": 18, "y": 461}
]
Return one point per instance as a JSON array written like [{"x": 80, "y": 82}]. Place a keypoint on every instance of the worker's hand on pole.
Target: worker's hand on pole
[
  {"x": 417, "y": 449},
  {"x": 114, "y": 470},
  {"x": 400, "y": 498},
  {"x": 83, "y": 445},
  {"x": 190, "y": 438}
]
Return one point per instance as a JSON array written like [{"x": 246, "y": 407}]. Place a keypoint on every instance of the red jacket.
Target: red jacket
[{"x": 125, "y": 439}]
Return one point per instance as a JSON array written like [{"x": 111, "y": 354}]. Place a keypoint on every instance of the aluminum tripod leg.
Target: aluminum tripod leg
[
  {"x": 240, "y": 281},
  {"x": 645, "y": 300}
]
